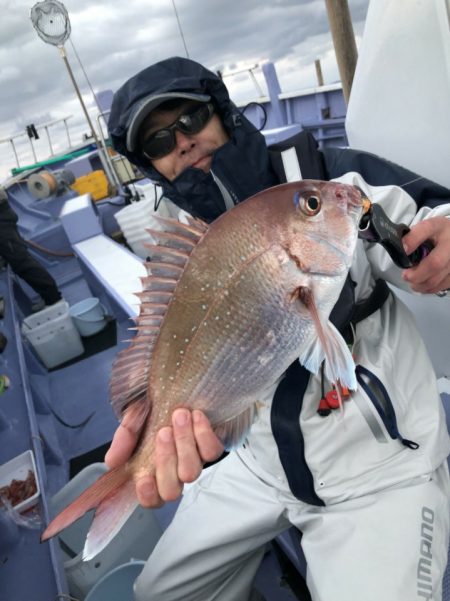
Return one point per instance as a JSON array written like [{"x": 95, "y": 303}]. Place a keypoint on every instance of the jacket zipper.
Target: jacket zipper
[{"x": 387, "y": 413}]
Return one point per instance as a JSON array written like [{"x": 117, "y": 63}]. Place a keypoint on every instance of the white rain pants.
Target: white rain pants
[{"x": 390, "y": 545}]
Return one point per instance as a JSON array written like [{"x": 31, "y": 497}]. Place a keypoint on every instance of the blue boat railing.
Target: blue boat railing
[{"x": 23, "y": 429}]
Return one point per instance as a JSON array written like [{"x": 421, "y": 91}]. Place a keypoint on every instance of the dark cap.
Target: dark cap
[{"x": 147, "y": 105}]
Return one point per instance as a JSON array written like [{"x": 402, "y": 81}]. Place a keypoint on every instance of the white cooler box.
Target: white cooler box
[{"x": 53, "y": 334}]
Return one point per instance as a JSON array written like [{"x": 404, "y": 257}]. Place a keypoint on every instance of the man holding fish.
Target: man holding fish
[{"x": 367, "y": 485}]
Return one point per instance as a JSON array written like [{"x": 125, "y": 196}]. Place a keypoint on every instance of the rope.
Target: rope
[{"x": 48, "y": 251}]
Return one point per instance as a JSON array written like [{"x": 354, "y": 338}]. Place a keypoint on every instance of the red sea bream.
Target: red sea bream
[{"x": 225, "y": 309}]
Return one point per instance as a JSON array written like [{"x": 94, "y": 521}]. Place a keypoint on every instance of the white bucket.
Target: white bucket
[
  {"x": 136, "y": 539},
  {"x": 89, "y": 316},
  {"x": 117, "y": 585},
  {"x": 53, "y": 334}
]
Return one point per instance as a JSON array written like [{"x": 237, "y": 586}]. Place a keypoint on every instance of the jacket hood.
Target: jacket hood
[{"x": 241, "y": 164}]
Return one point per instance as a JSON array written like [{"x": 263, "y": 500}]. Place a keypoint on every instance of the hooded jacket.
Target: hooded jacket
[{"x": 242, "y": 164}]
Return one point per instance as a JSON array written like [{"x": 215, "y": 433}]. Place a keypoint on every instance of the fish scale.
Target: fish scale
[
  {"x": 226, "y": 327},
  {"x": 225, "y": 310}
]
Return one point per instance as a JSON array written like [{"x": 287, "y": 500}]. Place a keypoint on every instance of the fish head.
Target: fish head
[{"x": 321, "y": 224}]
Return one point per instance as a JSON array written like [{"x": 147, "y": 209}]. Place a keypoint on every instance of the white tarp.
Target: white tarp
[
  {"x": 400, "y": 109},
  {"x": 400, "y": 101}
]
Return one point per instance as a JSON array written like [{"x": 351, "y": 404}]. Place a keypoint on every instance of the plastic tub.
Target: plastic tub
[
  {"x": 53, "y": 335},
  {"x": 47, "y": 315},
  {"x": 117, "y": 585},
  {"x": 17, "y": 469},
  {"x": 89, "y": 316}
]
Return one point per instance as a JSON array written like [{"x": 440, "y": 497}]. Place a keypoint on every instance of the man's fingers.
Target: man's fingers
[
  {"x": 147, "y": 492},
  {"x": 126, "y": 436},
  {"x": 432, "y": 273},
  {"x": 208, "y": 444},
  {"x": 166, "y": 464},
  {"x": 122, "y": 447},
  {"x": 189, "y": 461},
  {"x": 425, "y": 230},
  {"x": 180, "y": 451}
]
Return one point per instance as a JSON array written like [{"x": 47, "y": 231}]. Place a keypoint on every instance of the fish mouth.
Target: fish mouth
[
  {"x": 354, "y": 211},
  {"x": 359, "y": 209},
  {"x": 341, "y": 250}
]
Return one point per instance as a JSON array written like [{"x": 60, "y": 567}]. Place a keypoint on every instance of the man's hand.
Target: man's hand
[
  {"x": 432, "y": 274},
  {"x": 180, "y": 451}
]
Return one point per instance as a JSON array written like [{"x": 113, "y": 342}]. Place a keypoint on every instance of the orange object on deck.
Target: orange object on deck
[{"x": 95, "y": 183}]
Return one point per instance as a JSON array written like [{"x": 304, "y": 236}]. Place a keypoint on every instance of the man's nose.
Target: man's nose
[{"x": 184, "y": 142}]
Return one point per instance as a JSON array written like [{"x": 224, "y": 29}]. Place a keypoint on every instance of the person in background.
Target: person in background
[
  {"x": 370, "y": 493},
  {"x": 14, "y": 251}
]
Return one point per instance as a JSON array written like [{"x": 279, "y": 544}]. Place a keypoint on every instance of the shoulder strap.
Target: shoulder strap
[
  {"x": 347, "y": 311},
  {"x": 375, "y": 301},
  {"x": 297, "y": 157}
]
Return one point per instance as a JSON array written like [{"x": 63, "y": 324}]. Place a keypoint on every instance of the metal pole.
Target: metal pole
[
  {"x": 83, "y": 106},
  {"x": 14, "y": 150},
  {"x": 344, "y": 42},
  {"x": 112, "y": 168},
  {"x": 32, "y": 150},
  {"x": 319, "y": 74},
  {"x": 67, "y": 132},
  {"x": 258, "y": 87},
  {"x": 49, "y": 141},
  {"x": 101, "y": 150}
]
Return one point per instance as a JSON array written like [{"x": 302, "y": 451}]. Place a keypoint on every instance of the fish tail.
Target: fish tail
[{"x": 114, "y": 497}]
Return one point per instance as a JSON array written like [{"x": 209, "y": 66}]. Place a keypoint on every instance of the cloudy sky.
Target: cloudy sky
[{"x": 114, "y": 39}]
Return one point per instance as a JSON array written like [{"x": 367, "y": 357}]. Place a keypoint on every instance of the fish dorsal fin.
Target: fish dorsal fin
[
  {"x": 174, "y": 244},
  {"x": 233, "y": 431},
  {"x": 172, "y": 239},
  {"x": 192, "y": 227}
]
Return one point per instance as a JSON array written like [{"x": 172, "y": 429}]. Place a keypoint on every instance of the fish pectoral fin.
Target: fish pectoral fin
[
  {"x": 233, "y": 431},
  {"x": 312, "y": 355},
  {"x": 339, "y": 366},
  {"x": 329, "y": 345},
  {"x": 313, "y": 352}
]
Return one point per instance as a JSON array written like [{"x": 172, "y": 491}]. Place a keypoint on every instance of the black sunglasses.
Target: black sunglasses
[{"x": 163, "y": 141}]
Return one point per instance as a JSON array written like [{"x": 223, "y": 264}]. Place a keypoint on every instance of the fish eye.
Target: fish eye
[{"x": 309, "y": 204}]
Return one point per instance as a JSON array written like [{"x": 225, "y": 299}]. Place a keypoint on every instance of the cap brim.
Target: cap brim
[{"x": 148, "y": 104}]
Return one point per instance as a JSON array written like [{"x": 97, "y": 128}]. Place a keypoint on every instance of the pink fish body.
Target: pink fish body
[{"x": 225, "y": 310}]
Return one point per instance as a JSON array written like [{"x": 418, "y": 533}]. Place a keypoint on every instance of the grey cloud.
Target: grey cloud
[{"x": 115, "y": 39}]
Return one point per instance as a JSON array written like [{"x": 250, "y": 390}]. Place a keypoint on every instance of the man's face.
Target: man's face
[{"x": 193, "y": 150}]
